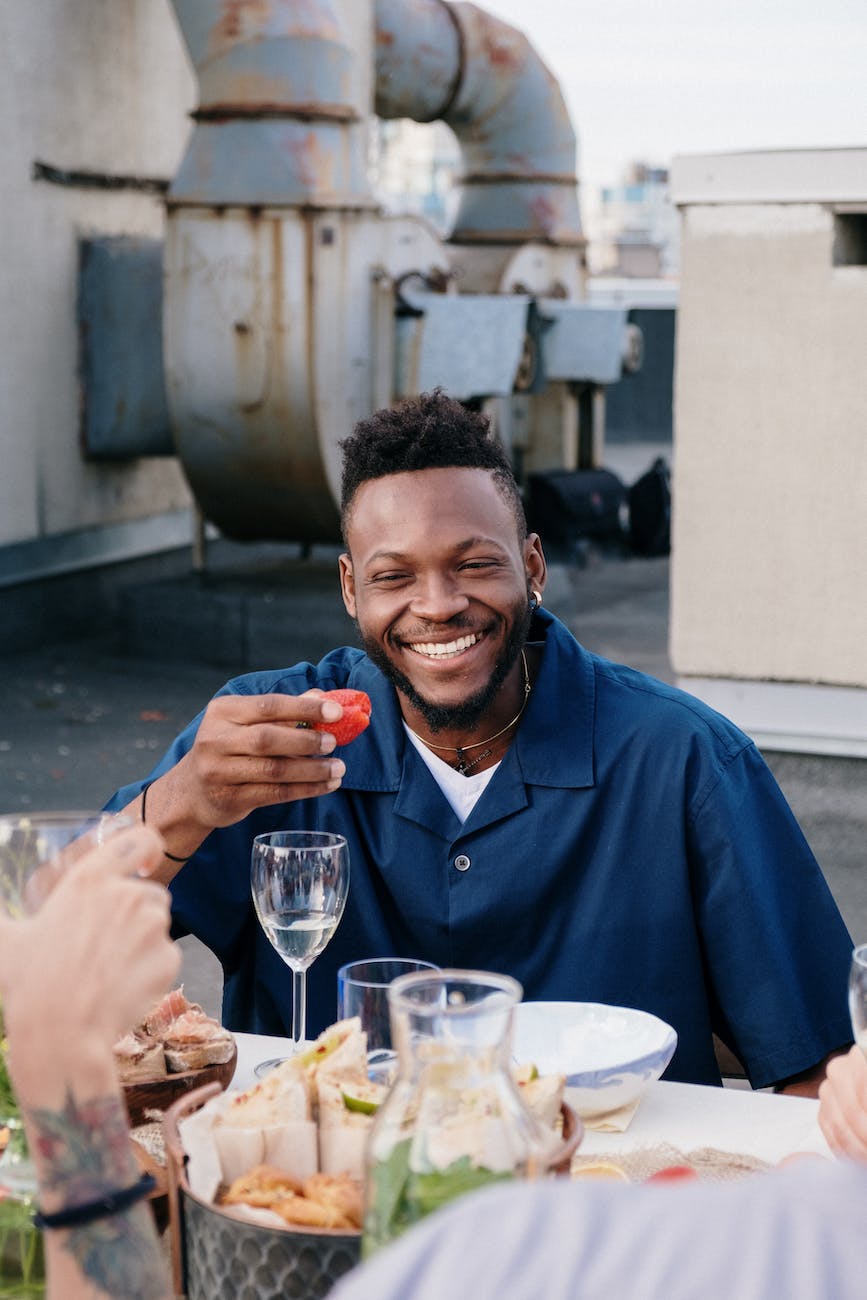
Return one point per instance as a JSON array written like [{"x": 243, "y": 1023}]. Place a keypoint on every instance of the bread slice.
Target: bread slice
[
  {"x": 139, "y": 1058},
  {"x": 195, "y": 1056},
  {"x": 193, "y": 1040}
]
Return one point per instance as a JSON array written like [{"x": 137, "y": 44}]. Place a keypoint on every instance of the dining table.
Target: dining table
[{"x": 685, "y": 1116}]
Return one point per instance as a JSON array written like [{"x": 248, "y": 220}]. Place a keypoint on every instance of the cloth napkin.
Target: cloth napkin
[{"x": 707, "y": 1162}]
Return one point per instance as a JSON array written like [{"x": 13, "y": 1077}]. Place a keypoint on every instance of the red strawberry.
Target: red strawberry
[{"x": 356, "y": 715}]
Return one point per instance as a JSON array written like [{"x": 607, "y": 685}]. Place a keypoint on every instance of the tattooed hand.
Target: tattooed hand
[{"x": 73, "y": 978}]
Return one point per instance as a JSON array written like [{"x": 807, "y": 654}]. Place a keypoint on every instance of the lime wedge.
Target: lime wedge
[{"x": 363, "y": 1098}]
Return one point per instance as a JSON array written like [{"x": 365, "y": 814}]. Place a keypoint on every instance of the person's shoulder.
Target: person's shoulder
[
  {"x": 657, "y": 703},
  {"x": 340, "y": 668},
  {"x": 630, "y": 705}
]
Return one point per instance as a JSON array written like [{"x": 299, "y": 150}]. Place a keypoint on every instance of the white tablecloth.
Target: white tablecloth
[
  {"x": 687, "y": 1116},
  {"x": 683, "y": 1114}
]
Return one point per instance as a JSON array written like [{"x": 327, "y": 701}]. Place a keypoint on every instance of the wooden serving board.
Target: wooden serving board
[{"x": 159, "y": 1094}]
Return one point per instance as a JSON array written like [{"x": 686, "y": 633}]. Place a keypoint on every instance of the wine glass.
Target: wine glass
[
  {"x": 300, "y": 880},
  {"x": 34, "y": 849},
  {"x": 858, "y": 996}
]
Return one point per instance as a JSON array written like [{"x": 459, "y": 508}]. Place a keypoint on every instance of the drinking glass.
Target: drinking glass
[
  {"x": 858, "y": 996},
  {"x": 300, "y": 880},
  {"x": 34, "y": 849},
  {"x": 362, "y": 990}
]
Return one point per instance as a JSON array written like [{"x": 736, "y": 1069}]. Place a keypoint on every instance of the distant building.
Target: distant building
[
  {"x": 632, "y": 230},
  {"x": 636, "y": 226},
  {"x": 413, "y": 166}
]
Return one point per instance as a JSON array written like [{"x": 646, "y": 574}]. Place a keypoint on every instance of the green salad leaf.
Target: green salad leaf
[
  {"x": 386, "y": 1200},
  {"x": 22, "y": 1261},
  {"x": 427, "y": 1192},
  {"x": 8, "y": 1102},
  {"x": 400, "y": 1196}
]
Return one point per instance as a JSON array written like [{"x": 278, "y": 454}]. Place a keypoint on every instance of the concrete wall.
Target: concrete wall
[
  {"x": 769, "y": 566},
  {"x": 89, "y": 85}
]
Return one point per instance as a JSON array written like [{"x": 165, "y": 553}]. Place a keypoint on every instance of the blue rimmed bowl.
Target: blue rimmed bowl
[{"x": 608, "y": 1054}]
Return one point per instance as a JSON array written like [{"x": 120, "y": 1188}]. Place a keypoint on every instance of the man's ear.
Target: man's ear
[
  {"x": 535, "y": 562},
  {"x": 347, "y": 584}
]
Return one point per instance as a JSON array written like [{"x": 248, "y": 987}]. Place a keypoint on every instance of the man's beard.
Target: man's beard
[{"x": 466, "y": 715}]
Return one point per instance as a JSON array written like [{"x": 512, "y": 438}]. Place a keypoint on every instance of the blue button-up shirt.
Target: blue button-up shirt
[{"x": 632, "y": 848}]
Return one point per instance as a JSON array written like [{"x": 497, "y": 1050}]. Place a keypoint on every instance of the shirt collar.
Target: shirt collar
[{"x": 554, "y": 744}]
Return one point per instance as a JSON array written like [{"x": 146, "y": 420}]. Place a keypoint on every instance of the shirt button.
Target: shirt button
[{"x": 462, "y": 862}]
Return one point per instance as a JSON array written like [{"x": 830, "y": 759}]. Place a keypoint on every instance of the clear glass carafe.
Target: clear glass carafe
[{"x": 454, "y": 1119}]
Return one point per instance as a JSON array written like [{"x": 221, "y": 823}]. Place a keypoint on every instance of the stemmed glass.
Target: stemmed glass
[
  {"x": 300, "y": 880},
  {"x": 858, "y": 996},
  {"x": 34, "y": 849}
]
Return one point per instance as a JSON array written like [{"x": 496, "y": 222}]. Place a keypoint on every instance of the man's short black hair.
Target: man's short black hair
[{"x": 431, "y": 431}]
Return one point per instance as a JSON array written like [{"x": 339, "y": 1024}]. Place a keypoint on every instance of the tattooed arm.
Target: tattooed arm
[{"x": 73, "y": 978}]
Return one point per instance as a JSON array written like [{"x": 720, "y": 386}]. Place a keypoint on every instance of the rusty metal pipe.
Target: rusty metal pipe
[
  {"x": 483, "y": 78},
  {"x": 272, "y": 234},
  {"x": 266, "y": 217},
  {"x": 282, "y": 98}
]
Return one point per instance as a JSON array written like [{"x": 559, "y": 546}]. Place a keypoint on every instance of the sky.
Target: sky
[{"x": 649, "y": 79}]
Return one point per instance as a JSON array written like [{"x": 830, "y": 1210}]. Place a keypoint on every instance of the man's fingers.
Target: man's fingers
[
  {"x": 262, "y": 796},
  {"x": 294, "y": 737},
  {"x": 239, "y": 776},
  {"x": 247, "y": 710},
  {"x": 291, "y": 771},
  {"x": 285, "y": 739}
]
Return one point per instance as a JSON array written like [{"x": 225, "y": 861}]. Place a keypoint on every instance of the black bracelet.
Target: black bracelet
[
  {"x": 76, "y": 1216},
  {"x": 144, "y": 803}
]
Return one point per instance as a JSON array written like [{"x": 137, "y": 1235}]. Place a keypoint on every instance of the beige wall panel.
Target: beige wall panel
[
  {"x": 769, "y": 567},
  {"x": 98, "y": 86}
]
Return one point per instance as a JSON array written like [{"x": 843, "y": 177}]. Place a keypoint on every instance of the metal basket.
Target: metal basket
[{"x": 218, "y": 1257}]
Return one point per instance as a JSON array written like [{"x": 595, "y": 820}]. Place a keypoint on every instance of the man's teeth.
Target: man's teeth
[{"x": 442, "y": 650}]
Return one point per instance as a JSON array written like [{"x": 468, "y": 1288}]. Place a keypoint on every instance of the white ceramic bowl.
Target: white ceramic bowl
[{"x": 608, "y": 1054}]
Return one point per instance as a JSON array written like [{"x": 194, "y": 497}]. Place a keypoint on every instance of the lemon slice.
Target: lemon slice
[
  {"x": 524, "y": 1074},
  {"x": 600, "y": 1169}
]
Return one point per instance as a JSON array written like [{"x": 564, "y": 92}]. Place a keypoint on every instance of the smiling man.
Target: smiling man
[{"x": 516, "y": 804}]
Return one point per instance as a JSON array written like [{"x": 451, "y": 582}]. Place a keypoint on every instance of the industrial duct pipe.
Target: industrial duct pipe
[
  {"x": 458, "y": 64},
  {"x": 264, "y": 263},
  {"x": 279, "y": 307}
]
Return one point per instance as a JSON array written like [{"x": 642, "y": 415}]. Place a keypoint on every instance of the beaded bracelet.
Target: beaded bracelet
[
  {"x": 77, "y": 1216},
  {"x": 144, "y": 800}
]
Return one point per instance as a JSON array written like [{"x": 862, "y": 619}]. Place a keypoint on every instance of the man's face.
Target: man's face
[{"x": 438, "y": 581}]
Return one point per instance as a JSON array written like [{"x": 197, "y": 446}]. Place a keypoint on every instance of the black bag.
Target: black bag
[
  {"x": 650, "y": 511},
  {"x": 565, "y": 505}
]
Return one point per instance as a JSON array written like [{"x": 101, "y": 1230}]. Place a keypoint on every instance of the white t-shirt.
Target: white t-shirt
[{"x": 462, "y": 792}]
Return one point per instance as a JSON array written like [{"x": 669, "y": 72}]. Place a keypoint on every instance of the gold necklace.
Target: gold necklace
[{"x": 462, "y": 766}]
